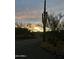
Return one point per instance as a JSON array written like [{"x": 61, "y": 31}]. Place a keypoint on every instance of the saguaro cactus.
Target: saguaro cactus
[{"x": 44, "y": 19}]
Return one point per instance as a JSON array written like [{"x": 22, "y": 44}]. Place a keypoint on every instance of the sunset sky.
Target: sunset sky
[{"x": 29, "y": 11}]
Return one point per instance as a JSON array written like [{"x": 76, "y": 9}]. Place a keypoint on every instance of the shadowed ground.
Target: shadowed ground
[
  {"x": 31, "y": 49},
  {"x": 29, "y": 45}
]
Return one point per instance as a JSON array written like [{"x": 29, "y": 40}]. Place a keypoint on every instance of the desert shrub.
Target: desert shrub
[{"x": 23, "y": 33}]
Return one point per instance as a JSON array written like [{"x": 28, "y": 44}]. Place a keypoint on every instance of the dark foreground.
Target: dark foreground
[{"x": 31, "y": 50}]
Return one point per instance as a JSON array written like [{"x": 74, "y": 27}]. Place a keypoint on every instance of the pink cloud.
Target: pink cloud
[{"x": 28, "y": 14}]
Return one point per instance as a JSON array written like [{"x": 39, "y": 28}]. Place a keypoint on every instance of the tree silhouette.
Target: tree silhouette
[{"x": 53, "y": 21}]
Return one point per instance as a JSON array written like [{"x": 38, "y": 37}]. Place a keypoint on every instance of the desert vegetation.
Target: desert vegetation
[
  {"x": 23, "y": 33},
  {"x": 54, "y": 38}
]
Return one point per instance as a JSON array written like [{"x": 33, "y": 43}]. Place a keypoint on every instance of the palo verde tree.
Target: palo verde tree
[{"x": 52, "y": 23}]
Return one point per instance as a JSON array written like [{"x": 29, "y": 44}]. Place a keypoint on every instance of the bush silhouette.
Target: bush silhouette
[{"x": 22, "y": 33}]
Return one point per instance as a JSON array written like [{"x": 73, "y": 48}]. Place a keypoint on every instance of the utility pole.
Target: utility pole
[{"x": 44, "y": 21}]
